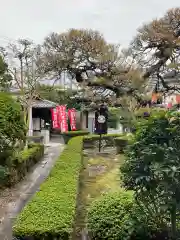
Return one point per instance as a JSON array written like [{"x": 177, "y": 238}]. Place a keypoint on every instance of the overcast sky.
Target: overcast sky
[{"x": 116, "y": 19}]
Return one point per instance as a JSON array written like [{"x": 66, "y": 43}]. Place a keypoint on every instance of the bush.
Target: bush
[
  {"x": 3, "y": 175},
  {"x": 21, "y": 162},
  {"x": 115, "y": 216},
  {"x": 51, "y": 212},
  {"x": 108, "y": 214},
  {"x": 12, "y": 126},
  {"x": 90, "y": 140},
  {"x": 35, "y": 139},
  {"x": 121, "y": 143},
  {"x": 152, "y": 163},
  {"x": 68, "y": 135}
]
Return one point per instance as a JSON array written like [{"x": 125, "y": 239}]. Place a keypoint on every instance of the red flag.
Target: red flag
[
  {"x": 178, "y": 99},
  {"x": 62, "y": 118},
  {"x": 54, "y": 118},
  {"x": 72, "y": 118},
  {"x": 169, "y": 105}
]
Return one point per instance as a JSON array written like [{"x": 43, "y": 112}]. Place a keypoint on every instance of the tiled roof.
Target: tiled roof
[
  {"x": 42, "y": 103},
  {"x": 172, "y": 78}
]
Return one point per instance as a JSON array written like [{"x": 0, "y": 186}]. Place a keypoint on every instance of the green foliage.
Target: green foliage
[
  {"x": 70, "y": 134},
  {"x": 5, "y": 77},
  {"x": 121, "y": 143},
  {"x": 76, "y": 133},
  {"x": 113, "y": 117},
  {"x": 116, "y": 216},
  {"x": 91, "y": 140},
  {"x": 152, "y": 165},
  {"x": 94, "y": 137},
  {"x": 3, "y": 174},
  {"x": 33, "y": 153},
  {"x": 35, "y": 139},
  {"x": 140, "y": 112},
  {"x": 51, "y": 212},
  {"x": 108, "y": 214},
  {"x": 12, "y": 127},
  {"x": 19, "y": 164},
  {"x": 58, "y": 95}
]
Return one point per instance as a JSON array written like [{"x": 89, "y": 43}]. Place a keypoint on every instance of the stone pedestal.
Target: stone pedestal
[{"x": 46, "y": 135}]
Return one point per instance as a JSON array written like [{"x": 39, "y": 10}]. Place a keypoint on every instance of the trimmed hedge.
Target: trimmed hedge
[
  {"x": 35, "y": 139},
  {"x": 50, "y": 214},
  {"x": 94, "y": 137},
  {"x": 116, "y": 216},
  {"x": 20, "y": 164},
  {"x": 91, "y": 140},
  {"x": 68, "y": 135},
  {"x": 108, "y": 214},
  {"x": 121, "y": 143}
]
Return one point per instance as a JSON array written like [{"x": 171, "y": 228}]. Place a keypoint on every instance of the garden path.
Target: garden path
[{"x": 13, "y": 200}]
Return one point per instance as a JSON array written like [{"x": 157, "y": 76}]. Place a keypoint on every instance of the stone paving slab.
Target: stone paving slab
[{"x": 23, "y": 192}]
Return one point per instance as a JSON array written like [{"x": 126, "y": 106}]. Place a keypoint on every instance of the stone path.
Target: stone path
[{"x": 13, "y": 200}]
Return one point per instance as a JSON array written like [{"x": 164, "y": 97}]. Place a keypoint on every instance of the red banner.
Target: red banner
[
  {"x": 169, "y": 105},
  {"x": 177, "y": 99},
  {"x": 62, "y": 118},
  {"x": 72, "y": 118},
  {"x": 54, "y": 115}
]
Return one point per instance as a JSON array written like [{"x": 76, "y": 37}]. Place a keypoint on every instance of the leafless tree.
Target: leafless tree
[{"x": 23, "y": 56}]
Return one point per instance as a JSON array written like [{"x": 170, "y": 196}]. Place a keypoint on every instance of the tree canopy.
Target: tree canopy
[
  {"x": 156, "y": 46},
  {"x": 90, "y": 61},
  {"x": 5, "y": 77},
  {"x": 12, "y": 127},
  {"x": 93, "y": 63}
]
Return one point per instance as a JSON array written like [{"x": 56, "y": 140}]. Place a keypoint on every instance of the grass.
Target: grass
[
  {"x": 109, "y": 180},
  {"x": 96, "y": 184}
]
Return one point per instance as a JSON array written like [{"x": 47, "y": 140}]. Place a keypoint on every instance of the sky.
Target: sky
[{"x": 116, "y": 19}]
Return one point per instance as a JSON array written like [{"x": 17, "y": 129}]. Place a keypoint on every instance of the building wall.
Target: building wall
[
  {"x": 78, "y": 120},
  {"x": 170, "y": 99},
  {"x": 88, "y": 124}
]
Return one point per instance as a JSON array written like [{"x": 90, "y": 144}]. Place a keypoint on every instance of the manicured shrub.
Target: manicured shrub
[
  {"x": 108, "y": 214},
  {"x": 19, "y": 164},
  {"x": 35, "y": 139},
  {"x": 116, "y": 216},
  {"x": 92, "y": 139},
  {"x": 68, "y": 135},
  {"x": 121, "y": 143},
  {"x": 51, "y": 212}
]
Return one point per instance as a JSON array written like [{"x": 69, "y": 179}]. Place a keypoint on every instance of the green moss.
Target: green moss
[{"x": 95, "y": 185}]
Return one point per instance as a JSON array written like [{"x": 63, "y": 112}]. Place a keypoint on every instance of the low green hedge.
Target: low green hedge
[
  {"x": 116, "y": 216},
  {"x": 108, "y": 214},
  {"x": 68, "y": 135},
  {"x": 91, "y": 140},
  {"x": 35, "y": 139},
  {"x": 21, "y": 162},
  {"x": 94, "y": 137},
  {"x": 50, "y": 213},
  {"x": 121, "y": 143}
]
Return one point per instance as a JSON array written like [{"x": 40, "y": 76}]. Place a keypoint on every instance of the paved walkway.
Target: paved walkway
[{"x": 13, "y": 200}]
